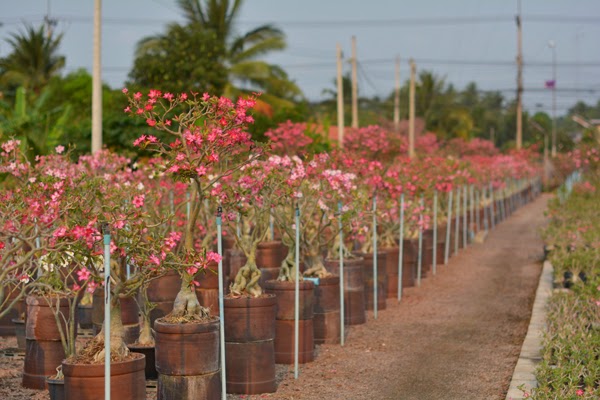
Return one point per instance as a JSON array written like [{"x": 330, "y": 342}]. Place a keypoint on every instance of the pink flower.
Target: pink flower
[
  {"x": 192, "y": 270},
  {"x": 212, "y": 256},
  {"x": 137, "y": 96},
  {"x": 138, "y": 201},
  {"x": 154, "y": 259},
  {"x": 83, "y": 274},
  {"x": 24, "y": 278},
  {"x": 125, "y": 90},
  {"x": 579, "y": 392},
  {"x": 59, "y": 149},
  {"x": 151, "y": 122},
  {"x": 60, "y": 232}
]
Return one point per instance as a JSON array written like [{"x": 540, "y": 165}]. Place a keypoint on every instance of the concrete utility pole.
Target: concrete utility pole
[
  {"x": 552, "y": 45},
  {"x": 397, "y": 97},
  {"x": 97, "y": 80},
  {"x": 411, "y": 110},
  {"x": 354, "y": 86},
  {"x": 340, "y": 98},
  {"x": 519, "y": 80}
]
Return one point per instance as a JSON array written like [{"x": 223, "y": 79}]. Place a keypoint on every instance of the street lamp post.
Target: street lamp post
[{"x": 552, "y": 45}]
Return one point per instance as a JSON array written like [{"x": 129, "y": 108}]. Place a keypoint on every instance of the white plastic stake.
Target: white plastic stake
[
  {"x": 221, "y": 305},
  {"x": 420, "y": 257},
  {"x": 448, "y": 228},
  {"x": 465, "y": 213},
  {"x": 471, "y": 213},
  {"x": 375, "y": 277},
  {"x": 492, "y": 207},
  {"x": 297, "y": 295},
  {"x": 434, "y": 262},
  {"x": 106, "y": 234},
  {"x": 401, "y": 247},
  {"x": 342, "y": 325},
  {"x": 477, "y": 209},
  {"x": 457, "y": 222}
]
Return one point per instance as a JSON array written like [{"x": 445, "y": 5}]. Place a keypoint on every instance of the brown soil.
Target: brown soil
[{"x": 458, "y": 336}]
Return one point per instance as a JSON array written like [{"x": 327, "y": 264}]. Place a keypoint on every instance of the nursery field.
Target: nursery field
[{"x": 458, "y": 336}]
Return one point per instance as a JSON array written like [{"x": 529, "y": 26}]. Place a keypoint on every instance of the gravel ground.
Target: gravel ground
[{"x": 458, "y": 336}]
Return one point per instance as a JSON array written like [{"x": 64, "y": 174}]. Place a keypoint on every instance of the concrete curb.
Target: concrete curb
[{"x": 524, "y": 373}]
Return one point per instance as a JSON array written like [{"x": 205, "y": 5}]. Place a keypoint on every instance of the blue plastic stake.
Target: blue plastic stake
[
  {"x": 435, "y": 228},
  {"x": 221, "y": 305},
  {"x": 297, "y": 294},
  {"x": 106, "y": 233},
  {"x": 448, "y": 228},
  {"x": 420, "y": 258},
  {"x": 457, "y": 222},
  {"x": 465, "y": 213},
  {"x": 342, "y": 325},
  {"x": 401, "y": 247},
  {"x": 375, "y": 277}
]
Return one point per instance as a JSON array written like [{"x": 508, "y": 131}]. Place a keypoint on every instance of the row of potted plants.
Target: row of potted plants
[
  {"x": 161, "y": 214},
  {"x": 570, "y": 367}
]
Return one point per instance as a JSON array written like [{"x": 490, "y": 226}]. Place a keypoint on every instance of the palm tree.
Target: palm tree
[
  {"x": 33, "y": 60},
  {"x": 241, "y": 52}
]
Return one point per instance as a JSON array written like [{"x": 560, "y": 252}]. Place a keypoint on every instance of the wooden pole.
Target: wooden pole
[
  {"x": 397, "y": 96},
  {"x": 519, "y": 80},
  {"x": 411, "y": 111},
  {"x": 354, "y": 86},
  {"x": 340, "y": 98},
  {"x": 97, "y": 80}
]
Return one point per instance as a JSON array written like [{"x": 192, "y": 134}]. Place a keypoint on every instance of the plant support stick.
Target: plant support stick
[
  {"x": 434, "y": 262},
  {"x": 342, "y": 325},
  {"x": 297, "y": 294},
  {"x": 401, "y": 247},
  {"x": 106, "y": 233},
  {"x": 221, "y": 306},
  {"x": 375, "y": 280},
  {"x": 420, "y": 258},
  {"x": 448, "y": 228}
]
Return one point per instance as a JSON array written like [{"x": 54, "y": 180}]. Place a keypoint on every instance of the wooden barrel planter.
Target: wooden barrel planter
[
  {"x": 187, "y": 360},
  {"x": 162, "y": 292},
  {"x": 208, "y": 291},
  {"x": 284, "y": 322},
  {"x": 44, "y": 351},
  {"x": 269, "y": 256},
  {"x": 250, "y": 344},
  {"x": 354, "y": 289},
  {"x": 130, "y": 315},
  {"x": 86, "y": 381},
  {"x": 381, "y": 280},
  {"x": 326, "y": 321}
]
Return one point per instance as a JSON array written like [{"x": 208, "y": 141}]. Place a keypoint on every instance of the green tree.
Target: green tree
[{"x": 33, "y": 59}]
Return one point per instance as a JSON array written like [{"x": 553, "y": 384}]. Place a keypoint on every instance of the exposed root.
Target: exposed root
[
  {"x": 316, "y": 268},
  {"x": 186, "y": 307},
  {"x": 246, "y": 280},
  {"x": 287, "y": 272}
]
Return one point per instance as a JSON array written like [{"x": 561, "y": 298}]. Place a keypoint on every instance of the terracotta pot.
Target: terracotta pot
[
  {"x": 354, "y": 289},
  {"x": 20, "y": 333},
  {"x": 43, "y": 348},
  {"x": 427, "y": 257},
  {"x": 56, "y": 388},
  {"x": 208, "y": 291},
  {"x": 410, "y": 254},
  {"x": 326, "y": 319},
  {"x": 7, "y": 328},
  {"x": 249, "y": 344},
  {"x": 148, "y": 352},
  {"x": 86, "y": 381},
  {"x": 182, "y": 372},
  {"x": 381, "y": 280},
  {"x": 284, "y": 331},
  {"x": 284, "y": 341},
  {"x": 162, "y": 292},
  {"x": 392, "y": 270},
  {"x": 285, "y": 292},
  {"x": 236, "y": 260},
  {"x": 269, "y": 256},
  {"x": 129, "y": 315},
  {"x": 84, "y": 314}
]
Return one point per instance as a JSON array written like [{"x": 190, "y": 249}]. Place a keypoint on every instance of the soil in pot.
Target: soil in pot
[
  {"x": 249, "y": 344},
  {"x": 187, "y": 360},
  {"x": 86, "y": 381},
  {"x": 354, "y": 289},
  {"x": 284, "y": 323}
]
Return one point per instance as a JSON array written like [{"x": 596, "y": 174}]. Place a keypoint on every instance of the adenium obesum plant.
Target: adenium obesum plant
[{"x": 208, "y": 142}]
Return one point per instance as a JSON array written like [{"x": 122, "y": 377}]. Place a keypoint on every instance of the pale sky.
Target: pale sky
[{"x": 461, "y": 40}]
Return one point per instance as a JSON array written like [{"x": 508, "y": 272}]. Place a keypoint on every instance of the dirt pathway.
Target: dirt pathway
[{"x": 456, "y": 337}]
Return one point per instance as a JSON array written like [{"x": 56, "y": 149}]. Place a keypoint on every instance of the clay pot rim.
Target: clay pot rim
[
  {"x": 347, "y": 261},
  {"x": 380, "y": 253},
  {"x": 265, "y": 300},
  {"x": 133, "y": 346},
  {"x": 55, "y": 381},
  {"x": 275, "y": 284},
  {"x": 189, "y": 328},
  {"x": 116, "y": 368},
  {"x": 267, "y": 244},
  {"x": 40, "y": 301}
]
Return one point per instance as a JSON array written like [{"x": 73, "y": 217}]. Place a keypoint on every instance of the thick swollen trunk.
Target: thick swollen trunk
[
  {"x": 287, "y": 271},
  {"x": 95, "y": 348},
  {"x": 247, "y": 278},
  {"x": 146, "y": 338},
  {"x": 186, "y": 307},
  {"x": 315, "y": 267}
]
